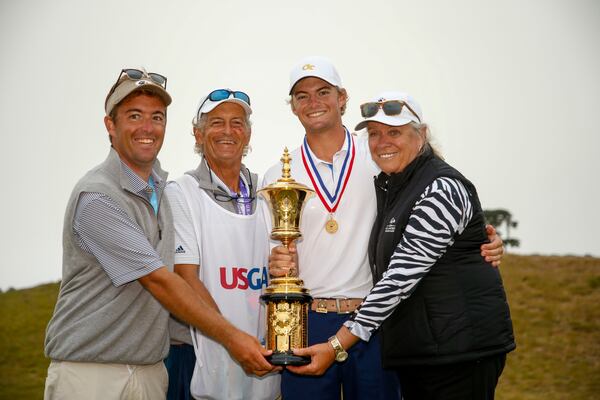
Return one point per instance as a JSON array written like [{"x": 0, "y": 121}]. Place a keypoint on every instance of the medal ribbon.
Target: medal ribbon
[{"x": 330, "y": 202}]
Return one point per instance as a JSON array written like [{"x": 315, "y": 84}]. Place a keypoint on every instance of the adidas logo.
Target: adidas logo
[
  {"x": 179, "y": 250},
  {"x": 391, "y": 226}
]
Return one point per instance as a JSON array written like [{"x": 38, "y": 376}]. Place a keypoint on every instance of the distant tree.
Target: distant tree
[{"x": 502, "y": 219}]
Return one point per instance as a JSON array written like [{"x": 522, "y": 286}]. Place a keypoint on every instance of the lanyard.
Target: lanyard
[{"x": 244, "y": 206}]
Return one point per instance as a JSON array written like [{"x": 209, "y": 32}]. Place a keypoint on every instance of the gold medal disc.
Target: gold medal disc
[{"x": 331, "y": 226}]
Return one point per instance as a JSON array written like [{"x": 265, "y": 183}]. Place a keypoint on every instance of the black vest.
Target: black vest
[{"x": 459, "y": 310}]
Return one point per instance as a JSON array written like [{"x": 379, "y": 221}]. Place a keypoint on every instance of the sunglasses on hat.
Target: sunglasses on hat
[
  {"x": 223, "y": 94},
  {"x": 136, "y": 74},
  {"x": 389, "y": 107}
]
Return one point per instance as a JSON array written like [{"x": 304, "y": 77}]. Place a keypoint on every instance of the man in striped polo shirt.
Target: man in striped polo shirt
[{"x": 108, "y": 335}]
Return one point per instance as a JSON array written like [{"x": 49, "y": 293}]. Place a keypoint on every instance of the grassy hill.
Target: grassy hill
[
  {"x": 555, "y": 304},
  {"x": 23, "y": 318}
]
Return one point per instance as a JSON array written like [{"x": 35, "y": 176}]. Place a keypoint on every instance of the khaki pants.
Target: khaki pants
[{"x": 96, "y": 381}]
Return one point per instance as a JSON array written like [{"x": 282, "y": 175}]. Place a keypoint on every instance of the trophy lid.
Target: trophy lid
[{"x": 286, "y": 181}]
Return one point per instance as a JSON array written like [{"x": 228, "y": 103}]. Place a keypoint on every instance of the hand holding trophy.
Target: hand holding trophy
[{"x": 287, "y": 300}]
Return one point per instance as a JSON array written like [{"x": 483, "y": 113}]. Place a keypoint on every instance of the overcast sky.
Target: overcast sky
[{"x": 511, "y": 90}]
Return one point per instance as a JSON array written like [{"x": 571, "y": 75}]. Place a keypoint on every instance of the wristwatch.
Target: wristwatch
[{"x": 340, "y": 354}]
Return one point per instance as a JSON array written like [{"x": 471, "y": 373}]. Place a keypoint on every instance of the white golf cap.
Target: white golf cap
[
  {"x": 411, "y": 110},
  {"x": 315, "y": 66},
  {"x": 206, "y": 105}
]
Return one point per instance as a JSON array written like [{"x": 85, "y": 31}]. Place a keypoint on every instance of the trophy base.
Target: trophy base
[{"x": 285, "y": 358}]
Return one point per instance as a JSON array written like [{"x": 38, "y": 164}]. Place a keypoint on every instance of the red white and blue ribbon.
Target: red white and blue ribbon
[{"x": 329, "y": 200}]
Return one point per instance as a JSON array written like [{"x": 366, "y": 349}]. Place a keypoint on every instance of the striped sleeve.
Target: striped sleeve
[
  {"x": 105, "y": 230},
  {"x": 442, "y": 212}
]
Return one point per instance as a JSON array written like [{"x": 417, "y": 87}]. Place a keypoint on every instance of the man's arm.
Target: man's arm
[
  {"x": 121, "y": 247},
  {"x": 189, "y": 273},
  {"x": 182, "y": 301},
  {"x": 187, "y": 257}
]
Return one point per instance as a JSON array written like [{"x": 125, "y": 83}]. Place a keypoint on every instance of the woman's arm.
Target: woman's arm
[{"x": 442, "y": 212}]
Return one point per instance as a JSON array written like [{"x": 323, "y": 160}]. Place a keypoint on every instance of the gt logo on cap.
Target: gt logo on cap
[{"x": 307, "y": 67}]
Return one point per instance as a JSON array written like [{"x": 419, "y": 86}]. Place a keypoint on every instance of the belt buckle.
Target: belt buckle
[
  {"x": 337, "y": 305},
  {"x": 322, "y": 306}
]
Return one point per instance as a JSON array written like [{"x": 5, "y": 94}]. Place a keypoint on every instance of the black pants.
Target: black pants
[{"x": 472, "y": 380}]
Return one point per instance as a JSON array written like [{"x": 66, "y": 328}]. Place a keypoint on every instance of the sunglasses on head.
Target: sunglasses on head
[{"x": 389, "y": 107}]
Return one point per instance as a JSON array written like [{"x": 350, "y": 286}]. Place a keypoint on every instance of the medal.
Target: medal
[
  {"x": 329, "y": 201},
  {"x": 331, "y": 226}
]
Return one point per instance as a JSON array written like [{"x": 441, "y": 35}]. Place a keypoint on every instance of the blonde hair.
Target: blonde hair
[{"x": 419, "y": 127}]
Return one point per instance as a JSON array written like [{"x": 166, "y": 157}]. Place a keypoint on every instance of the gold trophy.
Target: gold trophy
[{"x": 287, "y": 300}]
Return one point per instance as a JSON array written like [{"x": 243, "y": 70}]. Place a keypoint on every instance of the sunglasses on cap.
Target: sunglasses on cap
[
  {"x": 223, "y": 94},
  {"x": 389, "y": 107},
  {"x": 136, "y": 74}
]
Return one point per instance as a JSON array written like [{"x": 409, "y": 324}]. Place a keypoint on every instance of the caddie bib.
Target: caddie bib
[{"x": 233, "y": 251}]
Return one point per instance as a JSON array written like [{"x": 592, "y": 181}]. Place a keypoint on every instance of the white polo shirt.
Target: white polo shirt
[{"x": 336, "y": 264}]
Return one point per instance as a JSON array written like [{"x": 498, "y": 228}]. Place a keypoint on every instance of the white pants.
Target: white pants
[{"x": 95, "y": 381}]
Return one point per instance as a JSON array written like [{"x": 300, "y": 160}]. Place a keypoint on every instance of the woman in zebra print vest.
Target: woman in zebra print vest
[{"x": 446, "y": 326}]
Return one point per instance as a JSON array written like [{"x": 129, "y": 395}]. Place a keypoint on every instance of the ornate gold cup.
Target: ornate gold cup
[{"x": 286, "y": 299}]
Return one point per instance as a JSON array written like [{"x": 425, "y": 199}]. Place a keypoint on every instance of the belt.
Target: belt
[{"x": 340, "y": 305}]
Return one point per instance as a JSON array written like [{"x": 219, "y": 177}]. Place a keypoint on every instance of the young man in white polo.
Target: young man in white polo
[{"x": 336, "y": 224}]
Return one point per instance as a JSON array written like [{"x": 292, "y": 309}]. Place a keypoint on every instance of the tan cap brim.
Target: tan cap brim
[{"x": 129, "y": 86}]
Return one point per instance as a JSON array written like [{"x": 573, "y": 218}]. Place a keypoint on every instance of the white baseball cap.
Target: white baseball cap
[
  {"x": 219, "y": 96},
  {"x": 315, "y": 66},
  {"x": 410, "y": 110}
]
